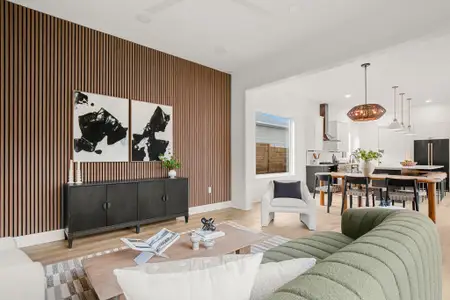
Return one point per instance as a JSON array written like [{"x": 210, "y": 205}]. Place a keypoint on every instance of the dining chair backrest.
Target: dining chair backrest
[
  {"x": 393, "y": 184},
  {"x": 324, "y": 177},
  {"x": 356, "y": 180}
]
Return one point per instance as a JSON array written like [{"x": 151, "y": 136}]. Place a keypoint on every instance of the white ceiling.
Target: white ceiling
[
  {"x": 421, "y": 69},
  {"x": 231, "y": 34}
]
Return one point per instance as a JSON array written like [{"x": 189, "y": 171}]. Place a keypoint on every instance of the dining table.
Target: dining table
[{"x": 430, "y": 179}]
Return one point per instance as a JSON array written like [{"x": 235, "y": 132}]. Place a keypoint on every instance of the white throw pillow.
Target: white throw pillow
[
  {"x": 219, "y": 278},
  {"x": 272, "y": 276}
]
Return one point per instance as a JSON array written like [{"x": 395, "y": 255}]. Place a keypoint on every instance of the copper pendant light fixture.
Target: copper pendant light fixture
[{"x": 366, "y": 112}]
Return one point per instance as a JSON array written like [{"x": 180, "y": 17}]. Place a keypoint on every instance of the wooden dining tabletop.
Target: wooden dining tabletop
[{"x": 430, "y": 179}]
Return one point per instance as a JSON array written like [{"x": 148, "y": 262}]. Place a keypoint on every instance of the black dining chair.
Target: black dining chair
[
  {"x": 355, "y": 186},
  {"x": 329, "y": 188},
  {"x": 378, "y": 190},
  {"x": 403, "y": 190}
]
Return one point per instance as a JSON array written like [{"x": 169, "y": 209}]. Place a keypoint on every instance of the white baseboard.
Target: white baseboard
[
  {"x": 58, "y": 235},
  {"x": 39, "y": 238},
  {"x": 209, "y": 207}
]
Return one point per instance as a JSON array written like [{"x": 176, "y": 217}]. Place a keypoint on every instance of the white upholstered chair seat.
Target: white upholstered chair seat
[
  {"x": 20, "y": 277},
  {"x": 14, "y": 257},
  {"x": 289, "y": 202},
  {"x": 305, "y": 207}
]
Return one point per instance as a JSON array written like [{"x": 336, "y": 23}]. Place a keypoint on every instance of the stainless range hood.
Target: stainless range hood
[{"x": 327, "y": 137}]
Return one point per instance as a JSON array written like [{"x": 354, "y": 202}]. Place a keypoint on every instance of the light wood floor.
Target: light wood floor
[{"x": 286, "y": 225}]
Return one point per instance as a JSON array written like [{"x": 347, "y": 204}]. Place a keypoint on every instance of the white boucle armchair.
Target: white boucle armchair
[{"x": 305, "y": 207}]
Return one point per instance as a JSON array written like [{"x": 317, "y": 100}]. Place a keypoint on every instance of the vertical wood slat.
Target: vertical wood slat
[
  {"x": 42, "y": 61},
  {"x": 3, "y": 74}
]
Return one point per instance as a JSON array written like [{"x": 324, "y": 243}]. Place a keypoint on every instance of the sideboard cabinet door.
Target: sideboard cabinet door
[
  {"x": 122, "y": 203},
  {"x": 177, "y": 199},
  {"x": 86, "y": 209},
  {"x": 151, "y": 196}
]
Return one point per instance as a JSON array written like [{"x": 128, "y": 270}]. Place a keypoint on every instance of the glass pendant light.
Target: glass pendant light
[
  {"x": 366, "y": 112},
  {"x": 409, "y": 130},
  {"x": 395, "y": 124},
  {"x": 402, "y": 128}
]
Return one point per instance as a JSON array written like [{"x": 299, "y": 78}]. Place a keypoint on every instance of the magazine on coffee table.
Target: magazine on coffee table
[{"x": 156, "y": 245}]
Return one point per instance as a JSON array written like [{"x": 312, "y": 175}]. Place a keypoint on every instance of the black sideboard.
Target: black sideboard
[{"x": 91, "y": 208}]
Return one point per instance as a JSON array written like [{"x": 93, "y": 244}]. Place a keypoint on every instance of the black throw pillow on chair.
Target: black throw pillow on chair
[{"x": 287, "y": 189}]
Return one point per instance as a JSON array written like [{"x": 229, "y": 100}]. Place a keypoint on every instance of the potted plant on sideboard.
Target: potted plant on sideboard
[
  {"x": 171, "y": 164},
  {"x": 365, "y": 159}
]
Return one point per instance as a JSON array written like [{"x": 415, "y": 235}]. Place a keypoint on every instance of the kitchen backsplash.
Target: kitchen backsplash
[{"x": 324, "y": 156}]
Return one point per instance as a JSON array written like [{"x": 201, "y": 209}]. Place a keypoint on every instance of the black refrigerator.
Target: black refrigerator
[{"x": 433, "y": 152}]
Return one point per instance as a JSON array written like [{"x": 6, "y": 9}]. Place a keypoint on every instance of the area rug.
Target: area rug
[{"x": 67, "y": 280}]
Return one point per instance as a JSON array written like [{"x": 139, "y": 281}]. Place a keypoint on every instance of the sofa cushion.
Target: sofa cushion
[
  {"x": 288, "y": 202},
  {"x": 13, "y": 257},
  {"x": 319, "y": 246}
]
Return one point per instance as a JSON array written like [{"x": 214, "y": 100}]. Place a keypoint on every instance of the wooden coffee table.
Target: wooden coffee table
[{"x": 99, "y": 270}]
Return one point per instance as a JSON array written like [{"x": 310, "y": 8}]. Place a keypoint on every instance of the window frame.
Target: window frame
[{"x": 291, "y": 152}]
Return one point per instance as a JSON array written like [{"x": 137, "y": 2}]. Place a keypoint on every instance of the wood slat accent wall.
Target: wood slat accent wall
[{"x": 43, "y": 59}]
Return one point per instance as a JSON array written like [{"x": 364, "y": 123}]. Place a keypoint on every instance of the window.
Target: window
[{"x": 273, "y": 135}]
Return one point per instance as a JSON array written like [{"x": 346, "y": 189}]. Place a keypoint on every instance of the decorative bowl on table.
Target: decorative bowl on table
[{"x": 408, "y": 163}]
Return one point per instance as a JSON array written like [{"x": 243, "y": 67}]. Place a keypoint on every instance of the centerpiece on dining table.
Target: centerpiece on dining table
[{"x": 367, "y": 159}]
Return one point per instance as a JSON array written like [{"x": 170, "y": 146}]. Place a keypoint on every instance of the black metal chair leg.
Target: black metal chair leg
[
  {"x": 373, "y": 200},
  {"x": 344, "y": 198},
  {"x": 351, "y": 201},
  {"x": 315, "y": 188},
  {"x": 330, "y": 198}
]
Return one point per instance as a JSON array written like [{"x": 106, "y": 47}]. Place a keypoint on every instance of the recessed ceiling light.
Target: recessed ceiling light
[
  {"x": 143, "y": 18},
  {"x": 428, "y": 100},
  {"x": 348, "y": 96}
]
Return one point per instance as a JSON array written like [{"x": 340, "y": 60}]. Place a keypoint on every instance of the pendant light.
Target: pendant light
[
  {"x": 395, "y": 124},
  {"x": 409, "y": 130},
  {"x": 366, "y": 112},
  {"x": 402, "y": 127}
]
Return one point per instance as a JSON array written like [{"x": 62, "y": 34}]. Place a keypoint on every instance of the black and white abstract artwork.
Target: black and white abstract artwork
[
  {"x": 152, "y": 130},
  {"x": 100, "y": 128}
]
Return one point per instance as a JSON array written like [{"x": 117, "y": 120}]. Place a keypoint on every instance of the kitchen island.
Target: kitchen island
[{"x": 416, "y": 167}]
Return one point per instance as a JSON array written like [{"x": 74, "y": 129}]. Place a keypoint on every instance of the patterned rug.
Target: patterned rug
[{"x": 67, "y": 280}]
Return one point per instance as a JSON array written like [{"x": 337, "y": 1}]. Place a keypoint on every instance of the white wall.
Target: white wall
[
  {"x": 303, "y": 116},
  {"x": 429, "y": 121}
]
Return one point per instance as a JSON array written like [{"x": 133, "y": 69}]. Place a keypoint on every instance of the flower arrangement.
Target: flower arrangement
[
  {"x": 367, "y": 155},
  {"x": 170, "y": 163}
]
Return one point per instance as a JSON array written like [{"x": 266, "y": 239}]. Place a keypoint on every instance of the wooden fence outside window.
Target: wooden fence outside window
[{"x": 271, "y": 159}]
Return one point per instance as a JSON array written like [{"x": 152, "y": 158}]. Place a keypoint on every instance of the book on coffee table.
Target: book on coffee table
[
  {"x": 156, "y": 245},
  {"x": 209, "y": 235}
]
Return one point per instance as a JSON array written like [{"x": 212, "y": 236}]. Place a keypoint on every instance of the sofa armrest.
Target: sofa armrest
[
  {"x": 24, "y": 282},
  {"x": 358, "y": 221},
  {"x": 7, "y": 243}
]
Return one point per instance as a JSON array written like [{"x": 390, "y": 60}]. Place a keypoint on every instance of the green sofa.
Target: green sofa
[{"x": 381, "y": 254}]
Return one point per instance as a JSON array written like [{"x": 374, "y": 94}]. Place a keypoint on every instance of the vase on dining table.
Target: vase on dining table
[{"x": 366, "y": 167}]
